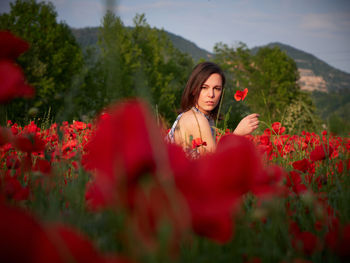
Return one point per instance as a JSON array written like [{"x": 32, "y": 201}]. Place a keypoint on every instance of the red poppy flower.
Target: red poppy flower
[
  {"x": 43, "y": 166},
  {"x": 11, "y": 46},
  {"x": 278, "y": 128},
  {"x": 5, "y": 135},
  {"x": 337, "y": 239},
  {"x": 12, "y": 82},
  {"x": 65, "y": 245},
  {"x": 294, "y": 181},
  {"x": 198, "y": 142},
  {"x": 121, "y": 150},
  {"x": 29, "y": 143},
  {"x": 214, "y": 184},
  {"x": 24, "y": 239},
  {"x": 19, "y": 232},
  {"x": 240, "y": 95},
  {"x": 12, "y": 189},
  {"x": 321, "y": 152},
  {"x": 302, "y": 165},
  {"x": 306, "y": 242}
]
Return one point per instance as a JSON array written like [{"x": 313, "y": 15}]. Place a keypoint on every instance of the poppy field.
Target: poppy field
[{"x": 114, "y": 190}]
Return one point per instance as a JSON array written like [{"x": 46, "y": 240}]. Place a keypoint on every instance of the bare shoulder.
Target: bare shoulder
[{"x": 190, "y": 118}]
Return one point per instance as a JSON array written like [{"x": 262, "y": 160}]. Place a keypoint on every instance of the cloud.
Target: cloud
[{"x": 331, "y": 22}]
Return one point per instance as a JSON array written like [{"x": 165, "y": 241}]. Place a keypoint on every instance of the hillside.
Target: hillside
[
  {"x": 330, "y": 87},
  {"x": 315, "y": 74},
  {"x": 88, "y": 36}
]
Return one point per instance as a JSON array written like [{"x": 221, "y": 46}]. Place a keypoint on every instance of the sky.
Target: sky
[{"x": 319, "y": 27}]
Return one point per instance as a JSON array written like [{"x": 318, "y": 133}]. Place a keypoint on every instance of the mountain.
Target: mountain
[
  {"x": 330, "y": 87},
  {"x": 89, "y": 36},
  {"x": 315, "y": 74}
]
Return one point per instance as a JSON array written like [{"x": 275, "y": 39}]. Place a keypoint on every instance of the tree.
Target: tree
[
  {"x": 165, "y": 69},
  {"x": 53, "y": 58},
  {"x": 271, "y": 78},
  {"x": 141, "y": 61}
]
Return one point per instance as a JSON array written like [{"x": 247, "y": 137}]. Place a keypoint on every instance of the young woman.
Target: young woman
[{"x": 199, "y": 105}]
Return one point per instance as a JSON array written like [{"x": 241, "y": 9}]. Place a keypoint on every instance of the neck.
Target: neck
[{"x": 206, "y": 114}]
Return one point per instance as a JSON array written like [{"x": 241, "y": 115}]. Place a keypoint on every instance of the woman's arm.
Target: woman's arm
[{"x": 247, "y": 125}]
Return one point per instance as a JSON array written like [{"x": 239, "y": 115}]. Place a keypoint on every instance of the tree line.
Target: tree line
[{"x": 141, "y": 62}]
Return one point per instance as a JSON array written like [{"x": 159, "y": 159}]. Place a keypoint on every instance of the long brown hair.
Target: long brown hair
[{"x": 199, "y": 75}]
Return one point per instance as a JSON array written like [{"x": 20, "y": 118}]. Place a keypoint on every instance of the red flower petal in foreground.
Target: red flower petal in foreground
[
  {"x": 121, "y": 150},
  {"x": 19, "y": 232},
  {"x": 24, "y": 239},
  {"x": 240, "y": 95},
  {"x": 12, "y": 82},
  {"x": 214, "y": 184},
  {"x": 338, "y": 239},
  {"x": 306, "y": 242},
  {"x": 66, "y": 245},
  {"x": 11, "y": 46}
]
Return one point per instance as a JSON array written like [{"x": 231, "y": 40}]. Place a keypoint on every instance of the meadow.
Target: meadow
[{"x": 113, "y": 190}]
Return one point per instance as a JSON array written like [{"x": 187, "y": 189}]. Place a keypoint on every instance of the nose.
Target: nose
[{"x": 211, "y": 93}]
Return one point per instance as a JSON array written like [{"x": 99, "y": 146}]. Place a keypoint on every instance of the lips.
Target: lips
[{"x": 210, "y": 102}]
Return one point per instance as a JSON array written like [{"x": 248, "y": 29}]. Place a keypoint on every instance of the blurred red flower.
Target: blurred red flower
[
  {"x": 214, "y": 184},
  {"x": 277, "y": 128},
  {"x": 240, "y": 95},
  {"x": 321, "y": 152},
  {"x": 29, "y": 143},
  {"x": 120, "y": 151},
  {"x": 302, "y": 165},
  {"x": 12, "y": 82},
  {"x": 338, "y": 240},
  {"x": 130, "y": 166},
  {"x": 5, "y": 135},
  {"x": 25, "y": 239},
  {"x": 306, "y": 242},
  {"x": 11, "y": 46},
  {"x": 294, "y": 181}
]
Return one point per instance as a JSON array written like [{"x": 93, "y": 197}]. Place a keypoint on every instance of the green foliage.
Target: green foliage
[
  {"x": 53, "y": 58},
  {"x": 139, "y": 61},
  {"x": 334, "y": 109},
  {"x": 231, "y": 59},
  {"x": 271, "y": 78}
]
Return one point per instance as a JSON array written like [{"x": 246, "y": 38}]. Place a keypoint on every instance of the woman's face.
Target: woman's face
[{"x": 210, "y": 93}]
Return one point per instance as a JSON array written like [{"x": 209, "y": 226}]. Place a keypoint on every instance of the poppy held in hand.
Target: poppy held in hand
[{"x": 240, "y": 95}]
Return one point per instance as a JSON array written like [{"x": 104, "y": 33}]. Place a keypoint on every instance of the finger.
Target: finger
[
  {"x": 251, "y": 121},
  {"x": 252, "y": 116}
]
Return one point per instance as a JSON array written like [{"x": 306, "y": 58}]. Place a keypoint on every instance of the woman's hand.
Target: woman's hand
[{"x": 247, "y": 125}]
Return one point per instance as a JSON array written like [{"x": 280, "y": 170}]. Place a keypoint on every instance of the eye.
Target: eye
[
  {"x": 204, "y": 87},
  {"x": 218, "y": 88}
]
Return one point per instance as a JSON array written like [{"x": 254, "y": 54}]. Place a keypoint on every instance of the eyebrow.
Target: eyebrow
[{"x": 214, "y": 86}]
